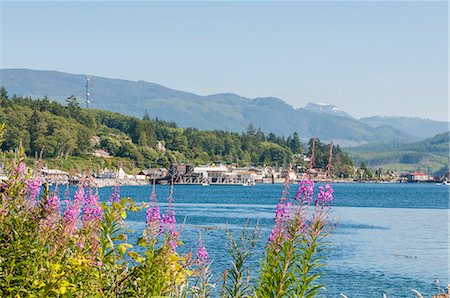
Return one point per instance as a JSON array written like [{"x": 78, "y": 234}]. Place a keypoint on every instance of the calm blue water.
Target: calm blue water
[{"x": 389, "y": 238}]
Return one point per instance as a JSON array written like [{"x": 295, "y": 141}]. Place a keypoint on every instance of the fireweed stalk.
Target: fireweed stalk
[
  {"x": 72, "y": 213},
  {"x": 202, "y": 287},
  {"x": 162, "y": 271},
  {"x": 169, "y": 220},
  {"x": 153, "y": 218},
  {"x": 292, "y": 254},
  {"x": 115, "y": 195},
  {"x": 91, "y": 219}
]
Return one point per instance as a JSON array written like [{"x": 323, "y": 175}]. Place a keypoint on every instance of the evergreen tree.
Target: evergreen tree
[
  {"x": 366, "y": 172},
  {"x": 72, "y": 102},
  {"x": 37, "y": 130},
  {"x": 3, "y": 93},
  {"x": 295, "y": 144},
  {"x": 146, "y": 116}
]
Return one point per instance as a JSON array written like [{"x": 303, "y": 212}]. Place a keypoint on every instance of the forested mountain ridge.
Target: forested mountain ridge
[
  {"x": 430, "y": 155},
  {"x": 423, "y": 128},
  {"x": 63, "y": 132},
  {"x": 226, "y": 111}
]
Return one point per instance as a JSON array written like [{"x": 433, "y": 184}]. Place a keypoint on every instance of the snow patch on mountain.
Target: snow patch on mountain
[{"x": 321, "y": 107}]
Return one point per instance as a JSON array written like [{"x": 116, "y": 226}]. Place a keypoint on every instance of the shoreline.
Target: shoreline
[{"x": 135, "y": 182}]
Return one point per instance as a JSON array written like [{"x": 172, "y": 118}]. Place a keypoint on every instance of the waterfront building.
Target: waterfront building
[
  {"x": 211, "y": 171},
  {"x": 54, "y": 175},
  {"x": 417, "y": 177},
  {"x": 154, "y": 173}
]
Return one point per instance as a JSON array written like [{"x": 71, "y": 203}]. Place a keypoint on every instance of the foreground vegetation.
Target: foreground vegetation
[{"x": 78, "y": 247}]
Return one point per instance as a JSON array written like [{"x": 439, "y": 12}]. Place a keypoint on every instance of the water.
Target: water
[{"x": 390, "y": 238}]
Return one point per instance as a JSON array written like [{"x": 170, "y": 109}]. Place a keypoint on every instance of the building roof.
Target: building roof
[
  {"x": 53, "y": 172},
  {"x": 244, "y": 173},
  {"x": 153, "y": 171},
  {"x": 418, "y": 174},
  {"x": 211, "y": 169}
]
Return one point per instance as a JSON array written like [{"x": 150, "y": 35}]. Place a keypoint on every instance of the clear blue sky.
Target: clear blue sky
[{"x": 369, "y": 58}]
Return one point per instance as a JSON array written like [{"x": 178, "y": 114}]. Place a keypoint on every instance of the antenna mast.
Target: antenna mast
[{"x": 87, "y": 91}]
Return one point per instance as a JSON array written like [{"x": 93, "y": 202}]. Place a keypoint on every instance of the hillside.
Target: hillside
[
  {"x": 429, "y": 155},
  {"x": 68, "y": 135},
  {"x": 423, "y": 128},
  {"x": 220, "y": 111}
]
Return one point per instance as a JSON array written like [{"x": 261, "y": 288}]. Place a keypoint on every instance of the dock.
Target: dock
[{"x": 200, "y": 180}]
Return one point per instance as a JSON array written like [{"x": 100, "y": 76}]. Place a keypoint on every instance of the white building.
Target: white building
[
  {"x": 53, "y": 176},
  {"x": 211, "y": 171},
  {"x": 417, "y": 176}
]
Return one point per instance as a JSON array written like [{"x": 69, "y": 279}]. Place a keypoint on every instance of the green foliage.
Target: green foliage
[
  {"x": 293, "y": 255},
  {"x": 62, "y": 132},
  {"x": 290, "y": 269},
  {"x": 48, "y": 253},
  {"x": 237, "y": 278},
  {"x": 365, "y": 172},
  {"x": 2, "y": 133},
  {"x": 428, "y": 155},
  {"x": 342, "y": 164}
]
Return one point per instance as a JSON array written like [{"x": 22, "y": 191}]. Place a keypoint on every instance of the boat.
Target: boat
[
  {"x": 249, "y": 183},
  {"x": 205, "y": 184},
  {"x": 446, "y": 183}
]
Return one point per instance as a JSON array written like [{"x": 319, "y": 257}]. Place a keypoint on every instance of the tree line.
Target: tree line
[{"x": 64, "y": 131}]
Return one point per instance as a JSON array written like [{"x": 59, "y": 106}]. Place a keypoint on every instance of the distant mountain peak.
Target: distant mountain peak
[{"x": 326, "y": 108}]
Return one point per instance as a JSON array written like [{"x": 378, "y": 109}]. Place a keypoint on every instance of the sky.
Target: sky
[{"x": 368, "y": 58}]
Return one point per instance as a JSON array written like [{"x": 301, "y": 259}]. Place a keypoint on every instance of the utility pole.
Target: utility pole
[{"x": 88, "y": 78}]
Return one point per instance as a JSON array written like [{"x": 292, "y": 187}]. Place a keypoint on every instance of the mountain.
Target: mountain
[
  {"x": 428, "y": 155},
  {"x": 220, "y": 111},
  {"x": 326, "y": 109},
  {"x": 422, "y": 128}
]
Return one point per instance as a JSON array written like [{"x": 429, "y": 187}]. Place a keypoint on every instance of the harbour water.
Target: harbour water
[{"x": 389, "y": 238}]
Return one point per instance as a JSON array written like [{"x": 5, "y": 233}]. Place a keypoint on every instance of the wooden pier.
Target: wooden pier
[{"x": 198, "y": 180}]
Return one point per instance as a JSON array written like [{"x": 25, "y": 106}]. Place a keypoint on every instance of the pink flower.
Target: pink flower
[
  {"x": 21, "y": 169},
  {"x": 115, "y": 195},
  {"x": 325, "y": 195},
  {"x": 153, "y": 216},
  {"x": 153, "y": 221},
  {"x": 33, "y": 188},
  {"x": 73, "y": 210},
  {"x": 53, "y": 204},
  {"x": 202, "y": 254},
  {"x": 305, "y": 192},
  {"x": 282, "y": 217},
  {"x": 92, "y": 209},
  {"x": 169, "y": 221},
  {"x": 53, "y": 209}
]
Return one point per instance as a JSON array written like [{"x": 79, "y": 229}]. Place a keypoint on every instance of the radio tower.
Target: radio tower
[{"x": 87, "y": 91}]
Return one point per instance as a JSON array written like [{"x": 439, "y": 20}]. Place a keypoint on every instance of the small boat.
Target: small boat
[
  {"x": 446, "y": 183},
  {"x": 249, "y": 183},
  {"x": 205, "y": 184}
]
